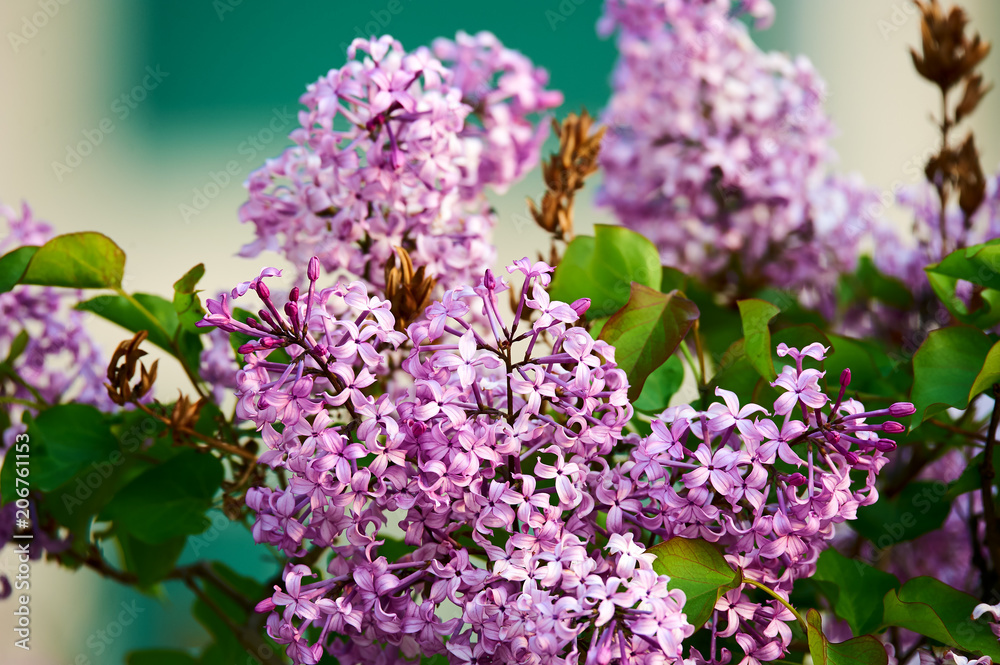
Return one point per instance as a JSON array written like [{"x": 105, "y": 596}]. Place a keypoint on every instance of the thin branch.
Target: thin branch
[
  {"x": 212, "y": 442},
  {"x": 957, "y": 430},
  {"x": 987, "y": 474},
  {"x": 771, "y": 592},
  {"x": 694, "y": 368},
  {"x": 22, "y": 402},
  {"x": 248, "y": 638}
]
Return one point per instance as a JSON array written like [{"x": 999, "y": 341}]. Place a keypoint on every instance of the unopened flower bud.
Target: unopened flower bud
[
  {"x": 795, "y": 479},
  {"x": 885, "y": 445},
  {"x": 892, "y": 427},
  {"x": 313, "y": 271},
  {"x": 292, "y": 311},
  {"x": 262, "y": 290},
  {"x": 489, "y": 281},
  {"x": 293, "y": 295},
  {"x": 902, "y": 409},
  {"x": 580, "y": 306},
  {"x": 845, "y": 376}
]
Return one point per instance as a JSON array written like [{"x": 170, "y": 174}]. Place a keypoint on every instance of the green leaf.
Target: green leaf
[
  {"x": 155, "y": 315},
  {"x": 979, "y": 265},
  {"x": 63, "y": 439},
  {"x": 160, "y": 321},
  {"x": 660, "y": 386},
  {"x": 603, "y": 268},
  {"x": 854, "y": 588},
  {"x": 947, "y": 369},
  {"x": 989, "y": 374},
  {"x": 792, "y": 312},
  {"x": 734, "y": 372},
  {"x": 150, "y": 563},
  {"x": 17, "y": 347},
  {"x": 868, "y": 283},
  {"x": 169, "y": 499},
  {"x": 186, "y": 301},
  {"x": 86, "y": 260},
  {"x": 864, "y": 650},
  {"x": 868, "y": 364},
  {"x": 76, "y": 503},
  {"x": 393, "y": 550},
  {"x": 12, "y": 266},
  {"x": 671, "y": 279},
  {"x": 930, "y": 607},
  {"x": 755, "y": 315},
  {"x": 718, "y": 325},
  {"x": 646, "y": 331},
  {"x": 248, "y": 586},
  {"x": 698, "y": 569},
  {"x": 920, "y": 508},
  {"x": 159, "y": 657},
  {"x": 971, "y": 478}
]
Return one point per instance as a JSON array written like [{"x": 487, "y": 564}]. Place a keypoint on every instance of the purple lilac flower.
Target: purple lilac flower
[
  {"x": 396, "y": 149},
  {"x": 218, "y": 366},
  {"x": 718, "y": 153}
]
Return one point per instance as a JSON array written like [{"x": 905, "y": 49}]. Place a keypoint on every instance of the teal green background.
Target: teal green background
[{"x": 253, "y": 56}]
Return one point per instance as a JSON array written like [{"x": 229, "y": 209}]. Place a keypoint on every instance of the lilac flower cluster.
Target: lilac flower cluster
[
  {"x": 769, "y": 490},
  {"x": 718, "y": 152},
  {"x": 59, "y": 361},
  {"x": 504, "y": 468},
  {"x": 395, "y": 149},
  {"x": 485, "y": 444}
]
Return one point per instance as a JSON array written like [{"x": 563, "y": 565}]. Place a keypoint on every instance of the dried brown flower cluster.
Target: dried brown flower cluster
[
  {"x": 407, "y": 290},
  {"x": 184, "y": 417},
  {"x": 181, "y": 417},
  {"x": 564, "y": 173},
  {"x": 122, "y": 368},
  {"x": 950, "y": 56}
]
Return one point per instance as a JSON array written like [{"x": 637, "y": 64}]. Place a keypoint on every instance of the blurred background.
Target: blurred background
[{"x": 122, "y": 117}]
